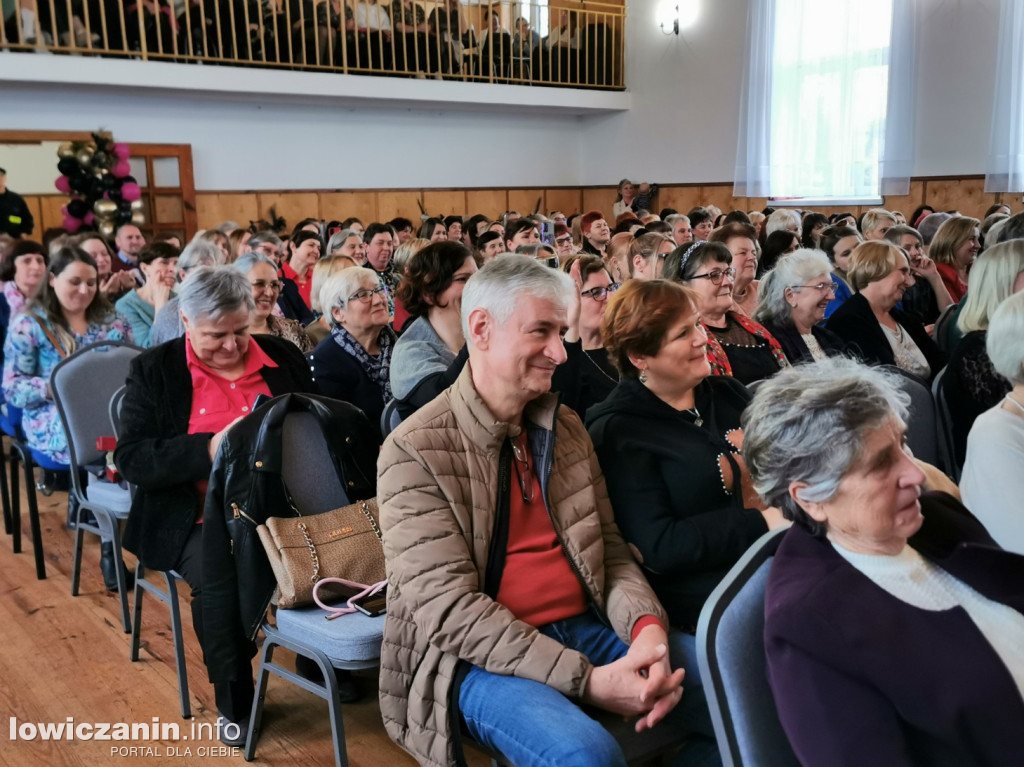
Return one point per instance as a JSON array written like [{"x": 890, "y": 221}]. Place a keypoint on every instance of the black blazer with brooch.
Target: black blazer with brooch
[
  {"x": 862, "y": 678},
  {"x": 855, "y": 323},
  {"x": 157, "y": 454},
  {"x": 793, "y": 344},
  {"x": 339, "y": 375}
]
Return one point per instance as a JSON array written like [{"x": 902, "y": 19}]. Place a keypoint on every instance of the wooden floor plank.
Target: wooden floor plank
[{"x": 64, "y": 656}]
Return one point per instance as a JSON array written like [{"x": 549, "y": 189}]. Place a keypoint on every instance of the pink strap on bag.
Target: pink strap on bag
[{"x": 348, "y": 609}]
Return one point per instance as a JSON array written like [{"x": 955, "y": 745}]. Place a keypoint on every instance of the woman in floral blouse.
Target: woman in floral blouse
[{"x": 68, "y": 314}]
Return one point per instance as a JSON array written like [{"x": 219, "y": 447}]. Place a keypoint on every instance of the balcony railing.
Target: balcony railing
[{"x": 533, "y": 42}]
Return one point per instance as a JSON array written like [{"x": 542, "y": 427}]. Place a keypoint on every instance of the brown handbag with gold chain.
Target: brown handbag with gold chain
[{"x": 343, "y": 543}]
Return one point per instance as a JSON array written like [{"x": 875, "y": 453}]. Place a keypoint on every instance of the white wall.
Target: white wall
[{"x": 680, "y": 127}]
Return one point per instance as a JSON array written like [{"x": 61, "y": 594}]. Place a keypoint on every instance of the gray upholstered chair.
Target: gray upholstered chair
[
  {"x": 730, "y": 653},
  {"x": 351, "y": 642},
  {"x": 104, "y": 366}
]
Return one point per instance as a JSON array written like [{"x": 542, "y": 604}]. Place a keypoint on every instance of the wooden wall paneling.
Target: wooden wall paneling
[
  {"x": 401, "y": 202},
  {"x": 293, "y": 206},
  {"x": 966, "y": 195},
  {"x": 681, "y": 198},
  {"x": 906, "y": 203},
  {"x": 49, "y": 213},
  {"x": 525, "y": 201},
  {"x": 444, "y": 202},
  {"x": 337, "y": 206},
  {"x": 212, "y": 208},
  {"x": 718, "y": 194},
  {"x": 490, "y": 202},
  {"x": 36, "y": 209},
  {"x": 568, "y": 201},
  {"x": 754, "y": 203},
  {"x": 600, "y": 198}
]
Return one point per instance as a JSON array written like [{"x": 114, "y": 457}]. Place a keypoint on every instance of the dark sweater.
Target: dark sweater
[
  {"x": 793, "y": 345},
  {"x": 339, "y": 375},
  {"x": 583, "y": 380},
  {"x": 971, "y": 386},
  {"x": 856, "y": 324},
  {"x": 681, "y": 492}
]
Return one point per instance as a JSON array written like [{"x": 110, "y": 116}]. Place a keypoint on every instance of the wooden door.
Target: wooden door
[{"x": 164, "y": 172}]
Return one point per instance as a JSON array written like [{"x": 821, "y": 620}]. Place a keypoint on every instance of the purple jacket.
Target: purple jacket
[{"x": 862, "y": 678}]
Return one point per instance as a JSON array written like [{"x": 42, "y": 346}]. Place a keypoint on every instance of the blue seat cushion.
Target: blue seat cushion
[{"x": 351, "y": 639}]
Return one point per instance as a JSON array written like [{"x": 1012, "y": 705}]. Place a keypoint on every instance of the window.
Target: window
[{"x": 818, "y": 101}]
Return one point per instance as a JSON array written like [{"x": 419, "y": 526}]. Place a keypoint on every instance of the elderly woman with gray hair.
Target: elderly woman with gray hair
[
  {"x": 894, "y": 624},
  {"x": 266, "y": 287},
  {"x": 181, "y": 399},
  {"x": 791, "y": 305},
  {"x": 354, "y": 362},
  {"x": 993, "y": 477},
  {"x": 167, "y": 323}
]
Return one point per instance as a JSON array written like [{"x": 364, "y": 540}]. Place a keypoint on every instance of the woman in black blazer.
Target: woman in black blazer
[
  {"x": 354, "y": 362},
  {"x": 869, "y": 322},
  {"x": 171, "y": 431}
]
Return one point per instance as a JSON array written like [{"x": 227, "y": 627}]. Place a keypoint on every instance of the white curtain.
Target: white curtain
[
  {"x": 827, "y": 103},
  {"x": 1005, "y": 171}
]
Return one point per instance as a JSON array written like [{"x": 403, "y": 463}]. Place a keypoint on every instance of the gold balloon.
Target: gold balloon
[
  {"x": 138, "y": 218},
  {"x": 100, "y": 172},
  {"x": 137, "y": 205},
  {"x": 106, "y": 228},
  {"x": 105, "y": 208},
  {"x": 65, "y": 150},
  {"x": 84, "y": 157}
]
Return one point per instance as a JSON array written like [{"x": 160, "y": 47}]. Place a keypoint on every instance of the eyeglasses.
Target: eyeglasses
[
  {"x": 522, "y": 465},
  {"x": 564, "y": 240},
  {"x": 821, "y": 287},
  {"x": 716, "y": 275},
  {"x": 274, "y": 285},
  {"x": 601, "y": 293},
  {"x": 366, "y": 295}
]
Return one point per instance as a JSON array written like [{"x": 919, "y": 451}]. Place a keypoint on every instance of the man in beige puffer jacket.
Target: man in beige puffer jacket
[{"x": 511, "y": 594}]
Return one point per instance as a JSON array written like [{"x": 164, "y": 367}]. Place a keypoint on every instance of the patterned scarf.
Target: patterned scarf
[
  {"x": 379, "y": 367},
  {"x": 719, "y": 360}
]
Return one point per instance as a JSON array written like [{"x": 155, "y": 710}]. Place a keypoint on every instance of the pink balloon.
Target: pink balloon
[
  {"x": 122, "y": 169},
  {"x": 120, "y": 151},
  {"x": 130, "y": 192},
  {"x": 63, "y": 184},
  {"x": 72, "y": 224},
  {"x": 90, "y": 217}
]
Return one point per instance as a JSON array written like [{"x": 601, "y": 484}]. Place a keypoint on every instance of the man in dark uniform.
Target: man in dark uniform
[{"x": 15, "y": 218}]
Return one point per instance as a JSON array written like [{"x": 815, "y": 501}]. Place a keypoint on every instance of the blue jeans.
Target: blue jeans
[{"x": 531, "y": 723}]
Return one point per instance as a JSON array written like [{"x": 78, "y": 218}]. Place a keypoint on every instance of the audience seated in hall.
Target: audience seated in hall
[{"x": 167, "y": 323}]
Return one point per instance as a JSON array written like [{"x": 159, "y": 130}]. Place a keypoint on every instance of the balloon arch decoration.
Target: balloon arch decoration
[{"x": 97, "y": 175}]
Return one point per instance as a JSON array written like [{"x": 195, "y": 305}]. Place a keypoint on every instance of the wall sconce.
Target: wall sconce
[{"x": 674, "y": 15}]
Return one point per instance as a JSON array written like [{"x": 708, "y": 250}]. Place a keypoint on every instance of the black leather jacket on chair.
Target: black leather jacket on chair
[{"x": 245, "y": 489}]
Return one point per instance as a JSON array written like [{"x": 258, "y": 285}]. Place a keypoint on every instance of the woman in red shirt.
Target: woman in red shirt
[{"x": 954, "y": 248}]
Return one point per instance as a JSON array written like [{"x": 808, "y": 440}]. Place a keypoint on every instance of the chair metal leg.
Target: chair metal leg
[
  {"x": 15, "y": 500},
  {"x": 122, "y": 580},
  {"x": 256, "y": 715},
  {"x": 179, "y": 646},
  {"x": 76, "y": 559},
  {"x": 133, "y": 654},
  {"x": 334, "y": 706},
  {"x": 5, "y": 491},
  {"x": 33, "y": 519}
]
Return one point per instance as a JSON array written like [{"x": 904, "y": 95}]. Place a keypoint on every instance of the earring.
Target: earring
[{"x": 643, "y": 376}]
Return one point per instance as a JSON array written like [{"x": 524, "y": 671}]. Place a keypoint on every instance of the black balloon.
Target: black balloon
[
  {"x": 78, "y": 208},
  {"x": 114, "y": 194},
  {"x": 80, "y": 182},
  {"x": 67, "y": 166}
]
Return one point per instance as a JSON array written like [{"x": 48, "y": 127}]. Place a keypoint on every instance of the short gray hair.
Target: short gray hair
[
  {"x": 778, "y": 219},
  {"x": 265, "y": 236},
  {"x": 1005, "y": 339},
  {"x": 791, "y": 270},
  {"x": 245, "y": 262},
  {"x": 502, "y": 282},
  {"x": 808, "y": 423},
  {"x": 199, "y": 253},
  {"x": 930, "y": 225},
  {"x": 213, "y": 291},
  {"x": 675, "y": 218},
  {"x": 338, "y": 239},
  {"x": 339, "y": 286}
]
